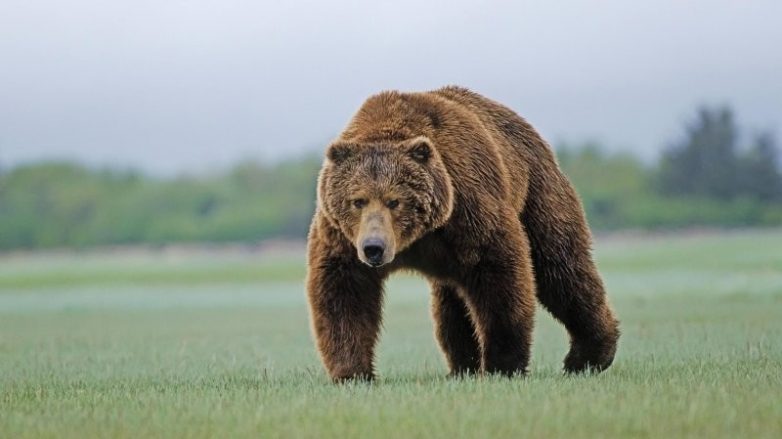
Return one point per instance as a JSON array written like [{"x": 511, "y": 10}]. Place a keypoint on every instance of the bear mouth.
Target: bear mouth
[{"x": 374, "y": 264}]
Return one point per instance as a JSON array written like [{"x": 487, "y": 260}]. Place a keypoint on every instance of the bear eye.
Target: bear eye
[
  {"x": 393, "y": 204},
  {"x": 359, "y": 203}
]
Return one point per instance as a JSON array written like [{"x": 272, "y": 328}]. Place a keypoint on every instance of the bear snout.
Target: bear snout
[{"x": 373, "y": 249}]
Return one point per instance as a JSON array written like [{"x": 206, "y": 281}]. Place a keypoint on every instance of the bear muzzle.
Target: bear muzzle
[
  {"x": 375, "y": 242},
  {"x": 373, "y": 249}
]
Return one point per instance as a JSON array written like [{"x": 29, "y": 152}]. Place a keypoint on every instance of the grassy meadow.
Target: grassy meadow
[{"x": 199, "y": 342}]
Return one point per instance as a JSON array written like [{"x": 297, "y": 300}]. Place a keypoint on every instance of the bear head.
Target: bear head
[{"x": 384, "y": 195}]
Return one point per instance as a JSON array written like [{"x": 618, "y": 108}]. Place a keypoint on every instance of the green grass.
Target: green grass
[
  {"x": 147, "y": 267},
  {"x": 112, "y": 345}
]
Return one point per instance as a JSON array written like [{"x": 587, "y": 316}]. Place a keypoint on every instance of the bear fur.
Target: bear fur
[{"x": 464, "y": 191}]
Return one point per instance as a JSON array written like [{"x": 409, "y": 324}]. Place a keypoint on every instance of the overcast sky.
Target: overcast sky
[{"x": 174, "y": 86}]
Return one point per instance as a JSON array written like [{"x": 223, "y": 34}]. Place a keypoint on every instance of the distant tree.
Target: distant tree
[
  {"x": 760, "y": 175},
  {"x": 606, "y": 181},
  {"x": 705, "y": 162}
]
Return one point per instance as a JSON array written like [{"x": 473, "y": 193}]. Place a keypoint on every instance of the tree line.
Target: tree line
[{"x": 711, "y": 176}]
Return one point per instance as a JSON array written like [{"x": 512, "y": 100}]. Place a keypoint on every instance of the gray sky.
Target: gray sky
[{"x": 175, "y": 86}]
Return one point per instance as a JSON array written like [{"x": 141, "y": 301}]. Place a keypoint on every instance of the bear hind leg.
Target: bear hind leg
[
  {"x": 454, "y": 330},
  {"x": 568, "y": 284},
  {"x": 499, "y": 292}
]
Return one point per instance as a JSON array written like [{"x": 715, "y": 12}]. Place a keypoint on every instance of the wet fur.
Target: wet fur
[{"x": 487, "y": 218}]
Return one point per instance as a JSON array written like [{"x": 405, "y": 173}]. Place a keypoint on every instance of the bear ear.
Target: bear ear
[
  {"x": 420, "y": 149},
  {"x": 339, "y": 152}
]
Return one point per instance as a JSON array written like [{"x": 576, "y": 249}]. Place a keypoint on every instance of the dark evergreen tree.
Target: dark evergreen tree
[
  {"x": 705, "y": 162},
  {"x": 760, "y": 175}
]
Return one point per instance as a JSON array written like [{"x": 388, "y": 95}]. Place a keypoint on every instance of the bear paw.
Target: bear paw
[{"x": 590, "y": 355}]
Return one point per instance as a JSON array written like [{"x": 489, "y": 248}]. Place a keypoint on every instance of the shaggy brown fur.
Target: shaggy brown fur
[{"x": 461, "y": 189}]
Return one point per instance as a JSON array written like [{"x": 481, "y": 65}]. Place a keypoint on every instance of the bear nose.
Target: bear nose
[{"x": 373, "y": 250}]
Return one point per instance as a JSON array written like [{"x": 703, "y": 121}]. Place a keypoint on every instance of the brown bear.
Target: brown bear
[{"x": 464, "y": 191}]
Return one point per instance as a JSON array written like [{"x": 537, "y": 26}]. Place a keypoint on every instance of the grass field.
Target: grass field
[{"x": 217, "y": 344}]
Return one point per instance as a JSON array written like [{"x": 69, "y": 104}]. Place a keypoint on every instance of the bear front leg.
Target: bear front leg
[
  {"x": 501, "y": 297},
  {"x": 345, "y": 300}
]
